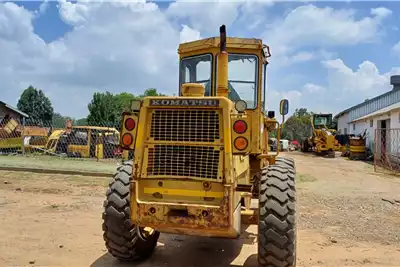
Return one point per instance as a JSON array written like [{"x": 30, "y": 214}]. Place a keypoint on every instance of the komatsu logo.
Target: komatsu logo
[{"x": 185, "y": 102}]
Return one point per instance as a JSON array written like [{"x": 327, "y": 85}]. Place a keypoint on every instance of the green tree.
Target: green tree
[
  {"x": 298, "y": 126},
  {"x": 81, "y": 122},
  {"x": 151, "y": 92},
  {"x": 35, "y": 103},
  {"x": 105, "y": 108},
  {"x": 124, "y": 100},
  {"x": 59, "y": 120}
]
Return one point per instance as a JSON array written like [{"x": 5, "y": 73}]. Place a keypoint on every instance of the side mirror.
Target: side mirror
[{"x": 284, "y": 107}]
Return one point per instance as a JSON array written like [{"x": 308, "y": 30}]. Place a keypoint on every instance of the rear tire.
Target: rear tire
[
  {"x": 277, "y": 215},
  {"x": 120, "y": 235}
]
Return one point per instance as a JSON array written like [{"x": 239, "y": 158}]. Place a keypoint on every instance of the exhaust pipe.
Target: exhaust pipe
[{"x": 222, "y": 66}]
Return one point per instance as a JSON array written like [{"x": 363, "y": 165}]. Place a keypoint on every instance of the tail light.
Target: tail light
[
  {"x": 241, "y": 143},
  {"x": 240, "y": 126}
]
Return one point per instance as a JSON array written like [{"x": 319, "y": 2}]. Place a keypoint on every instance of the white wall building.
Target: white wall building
[{"x": 379, "y": 112}]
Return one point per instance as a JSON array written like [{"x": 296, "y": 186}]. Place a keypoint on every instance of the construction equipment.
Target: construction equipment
[
  {"x": 322, "y": 141},
  {"x": 201, "y": 159},
  {"x": 15, "y": 137},
  {"x": 357, "y": 146},
  {"x": 85, "y": 142}
]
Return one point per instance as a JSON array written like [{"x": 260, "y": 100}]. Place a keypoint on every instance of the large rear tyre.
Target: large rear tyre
[
  {"x": 122, "y": 238},
  {"x": 277, "y": 215}
]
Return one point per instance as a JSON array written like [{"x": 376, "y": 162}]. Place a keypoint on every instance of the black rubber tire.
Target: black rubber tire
[
  {"x": 120, "y": 235},
  {"x": 305, "y": 147},
  {"x": 277, "y": 215}
]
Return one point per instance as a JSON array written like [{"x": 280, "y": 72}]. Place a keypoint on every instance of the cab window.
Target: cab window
[
  {"x": 242, "y": 78},
  {"x": 196, "y": 69}
]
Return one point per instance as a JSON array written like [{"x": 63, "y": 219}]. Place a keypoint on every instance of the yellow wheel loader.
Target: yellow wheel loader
[
  {"x": 202, "y": 157},
  {"x": 322, "y": 141}
]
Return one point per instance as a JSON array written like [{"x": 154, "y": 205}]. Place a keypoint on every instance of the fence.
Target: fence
[
  {"x": 387, "y": 149},
  {"x": 62, "y": 145}
]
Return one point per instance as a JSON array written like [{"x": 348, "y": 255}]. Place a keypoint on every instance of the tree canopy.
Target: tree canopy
[
  {"x": 298, "y": 126},
  {"x": 36, "y": 104},
  {"x": 106, "y": 108}
]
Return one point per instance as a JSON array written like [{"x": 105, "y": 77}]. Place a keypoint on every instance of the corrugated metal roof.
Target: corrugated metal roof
[
  {"x": 15, "y": 109},
  {"x": 380, "y": 112}
]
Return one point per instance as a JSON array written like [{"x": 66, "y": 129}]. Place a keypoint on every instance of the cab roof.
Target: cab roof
[{"x": 213, "y": 42}]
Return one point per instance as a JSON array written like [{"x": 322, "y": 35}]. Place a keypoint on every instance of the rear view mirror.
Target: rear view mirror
[{"x": 284, "y": 107}]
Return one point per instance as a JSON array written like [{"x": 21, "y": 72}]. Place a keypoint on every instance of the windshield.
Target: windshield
[
  {"x": 197, "y": 70},
  {"x": 242, "y": 79},
  {"x": 321, "y": 121}
]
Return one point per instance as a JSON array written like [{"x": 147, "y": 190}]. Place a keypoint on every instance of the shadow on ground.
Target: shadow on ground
[{"x": 186, "y": 251}]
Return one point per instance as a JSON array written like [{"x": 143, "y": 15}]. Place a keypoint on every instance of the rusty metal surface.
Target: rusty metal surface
[{"x": 199, "y": 220}]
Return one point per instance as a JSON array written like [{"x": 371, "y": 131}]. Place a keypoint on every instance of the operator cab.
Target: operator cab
[
  {"x": 322, "y": 121},
  {"x": 244, "y": 67}
]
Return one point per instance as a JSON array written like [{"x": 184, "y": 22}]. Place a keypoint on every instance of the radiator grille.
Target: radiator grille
[
  {"x": 185, "y": 125},
  {"x": 184, "y": 161}
]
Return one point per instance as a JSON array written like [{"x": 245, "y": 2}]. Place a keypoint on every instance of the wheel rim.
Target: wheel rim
[{"x": 145, "y": 233}]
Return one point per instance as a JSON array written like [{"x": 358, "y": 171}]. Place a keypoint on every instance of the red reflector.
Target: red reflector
[
  {"x": 240, "y": 126},
  {"x": 130, "y": 124}
]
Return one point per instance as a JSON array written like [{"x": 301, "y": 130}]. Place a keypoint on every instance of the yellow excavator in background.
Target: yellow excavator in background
[{"x": 322, "y": 141}]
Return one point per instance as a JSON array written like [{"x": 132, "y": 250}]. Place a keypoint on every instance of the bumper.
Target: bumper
[{"x": 198, "y": 220}]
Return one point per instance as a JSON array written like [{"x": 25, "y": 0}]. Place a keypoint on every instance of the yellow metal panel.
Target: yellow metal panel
[
  {"x": 99, "y": 151},
  {"x": 182, "y": 192},
  {"x": 11, "y": 142},
  {"x": 83, "y": 150}
]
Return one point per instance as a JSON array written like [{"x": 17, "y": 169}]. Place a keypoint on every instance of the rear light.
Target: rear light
[
  {"x": 130, "y": 124},
  {"x": 241, "y": 143},
  {"x": 127, "y": 139},
  {"x": 240, "y": 126}
]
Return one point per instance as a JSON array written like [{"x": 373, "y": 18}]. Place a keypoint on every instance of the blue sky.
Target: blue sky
[{"x": 327, "y": 56}]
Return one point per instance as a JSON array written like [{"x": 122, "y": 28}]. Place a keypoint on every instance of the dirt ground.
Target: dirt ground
[{"x": 55, "y": 220}]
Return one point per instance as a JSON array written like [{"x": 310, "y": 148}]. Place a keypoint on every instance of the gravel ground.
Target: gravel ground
[{"x": 55, "y": 220}]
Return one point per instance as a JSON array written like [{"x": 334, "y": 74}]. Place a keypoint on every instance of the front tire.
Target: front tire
[
  {"x": 277, "y": 215},
  {"x": 120, "y": 235}
]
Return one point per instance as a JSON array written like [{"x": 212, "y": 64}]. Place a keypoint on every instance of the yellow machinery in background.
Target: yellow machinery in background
[
  {"x": 201, "y": 162},
  {"x": 322, "y": 141},
  {"x": 15, "y": 138},
  {"x": 85, "y": 142}
]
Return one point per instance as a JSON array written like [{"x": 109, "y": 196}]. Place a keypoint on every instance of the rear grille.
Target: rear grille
[
  {"x": 183, "y": 161},
  {"x": 185, "y": 125}
]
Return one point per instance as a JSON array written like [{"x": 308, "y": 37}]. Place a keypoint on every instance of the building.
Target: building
[
  {"x": 381, "y": 112},
  {"x": 7, "y": 111}
]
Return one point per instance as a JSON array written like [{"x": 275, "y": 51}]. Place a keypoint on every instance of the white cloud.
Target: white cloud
[
  {"x": 132, "y": 45},
  {"x": 115, "y": 49},
  {"x": 311, "y": 88},
  {"x": 322, "y": 27},
  {"x": 396, "y": 49},
  {"x": 354, "y": 86},
  {"x": 73, "y": 13},
  {"x": 204, "y": 16},
  {"x": 188, "y": 34},
  {"x": 381, "y": 12}
]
